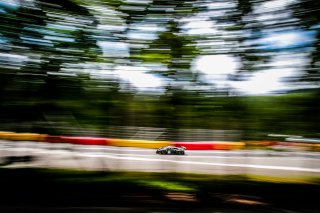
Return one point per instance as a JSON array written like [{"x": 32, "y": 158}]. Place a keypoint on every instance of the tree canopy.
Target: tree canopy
[{"x": 59, "y": 62}]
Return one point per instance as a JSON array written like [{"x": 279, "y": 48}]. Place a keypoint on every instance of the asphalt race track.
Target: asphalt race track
[{"x": 108, "y": 158}]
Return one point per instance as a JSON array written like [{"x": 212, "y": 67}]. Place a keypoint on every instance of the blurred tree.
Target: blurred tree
[
  {"x": 307, "y": 12},
  {"x": 51, "y": 65},
  {"x": 247, "y": 29},
  {"x": 173, "y": 50},
  {"x": 45, "y": 41}
]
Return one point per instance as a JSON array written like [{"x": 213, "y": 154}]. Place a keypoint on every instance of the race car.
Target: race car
[{"x": 171, "y": 150}]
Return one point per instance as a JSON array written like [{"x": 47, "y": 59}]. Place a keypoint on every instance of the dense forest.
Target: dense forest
[{"x": 59, "y": 60}]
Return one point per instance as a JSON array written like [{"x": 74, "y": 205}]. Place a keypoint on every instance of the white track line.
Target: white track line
[
  {"x": 207, "y": 163},
  {"x": 100, "y": 154}
]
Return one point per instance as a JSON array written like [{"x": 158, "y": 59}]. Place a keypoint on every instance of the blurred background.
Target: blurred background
[
  {"x": 237, "y": 82},
  {"x": 160, "y": 69}
]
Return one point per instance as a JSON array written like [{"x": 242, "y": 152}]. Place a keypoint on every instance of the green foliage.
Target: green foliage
[{"x": 53, "y": 46}]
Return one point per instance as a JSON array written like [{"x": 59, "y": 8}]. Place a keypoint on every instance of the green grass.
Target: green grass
[{"x": 167, "y": 185}]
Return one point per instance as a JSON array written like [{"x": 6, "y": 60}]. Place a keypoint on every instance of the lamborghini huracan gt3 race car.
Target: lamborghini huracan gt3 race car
[{"x": 171, "y": 150}]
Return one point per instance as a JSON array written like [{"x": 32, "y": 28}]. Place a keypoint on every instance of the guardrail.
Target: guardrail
[{"x": 199, "y": 145}]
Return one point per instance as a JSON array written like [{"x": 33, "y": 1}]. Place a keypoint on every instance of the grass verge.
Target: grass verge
[{"x": 52, "y": 187}]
